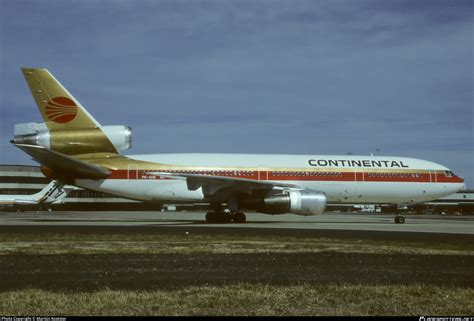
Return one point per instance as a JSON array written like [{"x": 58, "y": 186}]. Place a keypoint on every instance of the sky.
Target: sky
[{"x": 393, "y": 78}]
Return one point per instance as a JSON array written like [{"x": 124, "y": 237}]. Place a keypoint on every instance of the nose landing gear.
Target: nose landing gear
[{"x": 399, "y": 219}]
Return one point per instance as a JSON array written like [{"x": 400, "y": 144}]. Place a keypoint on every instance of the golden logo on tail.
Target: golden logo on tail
[{"x": 61, "y": 110}]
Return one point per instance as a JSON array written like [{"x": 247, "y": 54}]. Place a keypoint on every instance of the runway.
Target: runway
[{"x": 331, "y": 221}]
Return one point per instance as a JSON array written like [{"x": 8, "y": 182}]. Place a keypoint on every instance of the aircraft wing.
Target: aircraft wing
[
  {"x": 213, "y": 184},
  {"x": 63, "y": 163}
]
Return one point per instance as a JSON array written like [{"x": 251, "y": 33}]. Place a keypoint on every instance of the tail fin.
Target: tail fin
[
  {"x": 52, "y": 193},
  {"x": 71, "y": 129},
  {"x": 59, "y": 109}
]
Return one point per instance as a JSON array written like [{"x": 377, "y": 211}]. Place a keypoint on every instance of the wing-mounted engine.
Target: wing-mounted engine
[
  {"x": 74, "y": 141},
  {"x": 301, "y": 202}
]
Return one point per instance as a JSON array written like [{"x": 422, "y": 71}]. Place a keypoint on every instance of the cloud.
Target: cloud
[{"x": 254, "y": 76}]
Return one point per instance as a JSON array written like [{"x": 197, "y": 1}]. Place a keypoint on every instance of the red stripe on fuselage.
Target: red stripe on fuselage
[{"x": 415, "y": 177}]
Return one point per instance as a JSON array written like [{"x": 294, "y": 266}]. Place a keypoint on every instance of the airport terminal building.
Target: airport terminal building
[{"x": 24, "y": 180}]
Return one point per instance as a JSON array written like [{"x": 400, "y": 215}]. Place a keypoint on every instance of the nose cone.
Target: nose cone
[
  {"x": 455, "y": 187},
  {"x": 461, "y": 185}
]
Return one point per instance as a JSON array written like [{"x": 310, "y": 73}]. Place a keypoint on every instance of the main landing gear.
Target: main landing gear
[
  {"x": 399, "y": 219},
  {"x": 224, "y": 217}
]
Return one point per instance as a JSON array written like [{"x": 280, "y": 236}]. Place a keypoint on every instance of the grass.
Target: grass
[
  {"x": 59, "y": 243},
  {"x": 247, "y": 299},
  {"x": 239, "y": 299}
]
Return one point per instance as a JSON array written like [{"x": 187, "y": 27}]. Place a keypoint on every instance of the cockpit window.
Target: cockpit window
[{"x": 448, "y": 173}]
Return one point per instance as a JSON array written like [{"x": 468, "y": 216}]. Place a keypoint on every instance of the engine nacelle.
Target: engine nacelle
[
  {"x": 301, "y": 202},
  {"x": 307, "y": 202},
  {"x": 119, "y": 136},
  {"x": 75, "y": 141},
  {"x": 32, "y": 134}
]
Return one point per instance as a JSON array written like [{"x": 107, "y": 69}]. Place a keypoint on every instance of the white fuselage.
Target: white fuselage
[
  {"x": 344, "y": 179},
  {"x": 54, "y": 192},
  {"x": 12, "y": 200}
]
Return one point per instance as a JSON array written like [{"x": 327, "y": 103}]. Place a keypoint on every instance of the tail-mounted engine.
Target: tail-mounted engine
[{"x": 74, "y": 141}]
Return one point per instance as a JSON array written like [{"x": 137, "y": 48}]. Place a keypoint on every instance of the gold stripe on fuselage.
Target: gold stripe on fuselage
[{"x": 120, "y": 162}]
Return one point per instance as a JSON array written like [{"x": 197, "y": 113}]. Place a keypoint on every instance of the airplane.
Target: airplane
[
  {"x": 53, "y": 193},
  {"x": 74, "y": 148}
]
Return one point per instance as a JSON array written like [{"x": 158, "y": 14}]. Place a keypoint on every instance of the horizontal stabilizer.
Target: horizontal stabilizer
[{"x": 64, "y": 164}]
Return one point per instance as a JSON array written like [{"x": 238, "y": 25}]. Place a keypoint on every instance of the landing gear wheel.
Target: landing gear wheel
[
  {"x": 399, "y": 219},
  {"x": 239, "y": 217}
]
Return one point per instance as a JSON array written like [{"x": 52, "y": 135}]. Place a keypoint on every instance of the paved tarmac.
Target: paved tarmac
[{"x": 331, "y": 221}]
